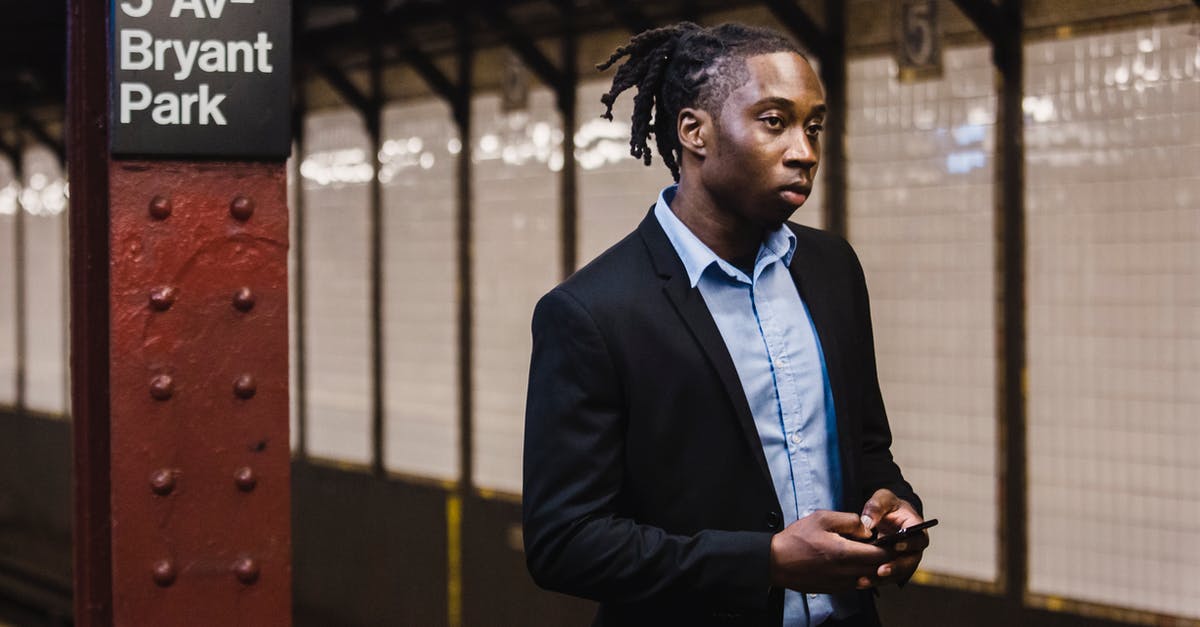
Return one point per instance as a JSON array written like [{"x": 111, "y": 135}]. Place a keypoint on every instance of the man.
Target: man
[{"x": 704, "y": 409}]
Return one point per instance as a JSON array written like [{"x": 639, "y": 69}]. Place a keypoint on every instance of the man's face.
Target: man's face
[{"x": 767, "y": 141}]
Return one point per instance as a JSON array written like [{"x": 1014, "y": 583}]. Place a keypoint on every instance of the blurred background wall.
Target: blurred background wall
[{"x": 388, "y": 531}]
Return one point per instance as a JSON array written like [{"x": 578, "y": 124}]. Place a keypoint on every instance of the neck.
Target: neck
[{"x": 730, "y": 236}]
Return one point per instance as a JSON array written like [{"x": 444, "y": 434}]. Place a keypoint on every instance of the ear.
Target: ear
[{"x": 694, "y": 128}]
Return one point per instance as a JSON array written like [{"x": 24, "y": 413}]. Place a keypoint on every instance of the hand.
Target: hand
[
  {"x": 887, "y": 513},
  {"x": 811, "y": 554}
]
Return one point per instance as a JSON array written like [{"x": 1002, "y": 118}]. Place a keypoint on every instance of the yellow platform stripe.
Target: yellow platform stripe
[{"x": 453, "y": 560}]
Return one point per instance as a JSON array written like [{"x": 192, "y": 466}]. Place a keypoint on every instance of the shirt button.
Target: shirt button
[
  {"x": 796, "y": 438},
  {"x": 773, "y": 520}
]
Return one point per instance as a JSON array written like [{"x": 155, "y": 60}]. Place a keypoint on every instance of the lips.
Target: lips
[{"x": 795, "y": 194}]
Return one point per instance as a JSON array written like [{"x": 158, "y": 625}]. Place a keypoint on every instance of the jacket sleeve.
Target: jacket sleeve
[
  {"x": 576, "y": 539},
  {"x": 878, "y": 469}
]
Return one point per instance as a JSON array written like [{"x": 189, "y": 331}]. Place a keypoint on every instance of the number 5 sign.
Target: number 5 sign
[{"x": 918, "y": 40}]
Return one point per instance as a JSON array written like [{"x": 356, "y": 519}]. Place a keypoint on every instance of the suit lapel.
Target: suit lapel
[
  {"x": 814, "y": 280},
  {"x": 690, "y": 306}
]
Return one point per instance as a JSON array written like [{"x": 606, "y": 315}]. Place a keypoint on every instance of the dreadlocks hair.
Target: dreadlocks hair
[{"x": 678, "y": 66}]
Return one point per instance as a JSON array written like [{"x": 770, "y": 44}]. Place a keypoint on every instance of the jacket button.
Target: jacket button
[{"x": 773, "y": 520}]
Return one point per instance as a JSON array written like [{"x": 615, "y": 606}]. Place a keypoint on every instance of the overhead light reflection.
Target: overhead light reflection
[
  {"x": 8, "y": 199},
  {"x": 43, "y": 196}
]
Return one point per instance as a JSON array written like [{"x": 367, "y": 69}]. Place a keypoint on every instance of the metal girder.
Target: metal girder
[
  {"x": 376, "y": 23},
  {"x": 346, "y": 89},
  {"x": 88, "y": 218},
  {"x": 424, "y": 66},
  {"x": 199, "y": 393},
  {"x": 833, "y": 75},
  {"x": 407, "y": 14},
  {"x": 1011, "y": 349},
  {"x": 39, "y": 133},
  {"x": 179, "y": 363},
  {"x": 12, "y": 152},
  {"x": 796, "y": 20},
  {"x": 985, "y": 15},
  {"x": 631, "y": 17},
  {"x": 370, "y": 13},
  {"x": 463, "y": 245},
  {"x": 523, "y": 45}
]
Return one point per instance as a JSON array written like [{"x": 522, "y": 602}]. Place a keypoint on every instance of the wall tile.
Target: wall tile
[
  {"x": 920, "y": 207},
  {"x": 1113, "y": 230}
]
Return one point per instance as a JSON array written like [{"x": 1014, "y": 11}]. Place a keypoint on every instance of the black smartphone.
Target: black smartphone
[{"x": 903, "y": 534}]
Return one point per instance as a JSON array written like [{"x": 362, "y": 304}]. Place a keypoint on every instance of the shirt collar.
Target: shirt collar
[{"x": 698, "y": 257}]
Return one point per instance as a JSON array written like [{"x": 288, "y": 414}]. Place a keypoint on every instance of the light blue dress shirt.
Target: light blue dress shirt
[{"x": 770, "y": 336}]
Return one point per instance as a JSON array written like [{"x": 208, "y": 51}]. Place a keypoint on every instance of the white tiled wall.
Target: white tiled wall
[
  {"x": 1113, "y": 237},
  {"x": 920, "y": 218},
  {"x": 45, "y": 283},
  {"x": 420, "y": 290},
  {"x": 8, "y": 305},
  {"x": 336, "y": 172},
  {"x": 515, "y": 259},
  {"x": 615, "y": 189}
]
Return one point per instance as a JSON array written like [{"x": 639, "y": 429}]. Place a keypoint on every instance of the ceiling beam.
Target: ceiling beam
[
  {"x": 631, "y": 17},
  {"x": 425, "y": 67},
  {"x": 985, "y": 15},
  {"x": 39, "y": 132},
  {"x": 406, "y": 15},
  {"x": 12, "y": 152},
  {"x": 523, "y": 45},
  {"x": 800, "y": 24},
  {"x": 345, "y": 88}
]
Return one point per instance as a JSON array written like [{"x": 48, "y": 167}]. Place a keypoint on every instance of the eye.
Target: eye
[
  {"x": 814, "y": 130},
  {"x": 773, "y": 121}
]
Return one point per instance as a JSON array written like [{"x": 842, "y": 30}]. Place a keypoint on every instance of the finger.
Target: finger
[
  {"x": 844, "y": 523},
  {"x": 879, "y": 505},
  {"x": 861, "y": 554},
  {"x": 899, "y": 568},
  {"x": 915, "y": 544},
  {"x": 903, "y": 516},
  {"x": 863, "y": 583}
]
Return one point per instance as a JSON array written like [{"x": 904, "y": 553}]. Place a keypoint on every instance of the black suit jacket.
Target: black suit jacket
[{"x": 645, "y": 483}]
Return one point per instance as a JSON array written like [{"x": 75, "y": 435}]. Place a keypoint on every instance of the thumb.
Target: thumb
[
  {"x": 878, "y": 506},
  {"x": 845, "y": 523},
  {"x": 872, "y": 513}
]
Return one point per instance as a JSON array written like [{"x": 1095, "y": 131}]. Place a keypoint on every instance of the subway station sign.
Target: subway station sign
[{"x": 201, "y": 78}]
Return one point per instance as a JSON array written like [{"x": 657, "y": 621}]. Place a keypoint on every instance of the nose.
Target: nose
[{"x": 803, "y": 152}]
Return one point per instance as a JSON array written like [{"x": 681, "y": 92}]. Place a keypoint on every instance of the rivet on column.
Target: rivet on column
[
  {"x": 161, "y": 298},
  {"x": 160, "y": 208},
  {"x": 245, "y": 479},
  {"x": 162, "y": 387},
  {"x": 163, "y": 573},
  {"x": 162, "y": 481},
  {"x": 245, "y": 386},
  {"x": 244, "y": 299},
  {"x": 241, "y": 208},
  {"x": 246, "y": 570}
]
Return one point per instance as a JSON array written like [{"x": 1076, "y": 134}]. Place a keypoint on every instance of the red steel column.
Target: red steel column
[
  {"x": 180, "y": 375},
  {"x": 199, "y": 375}
]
